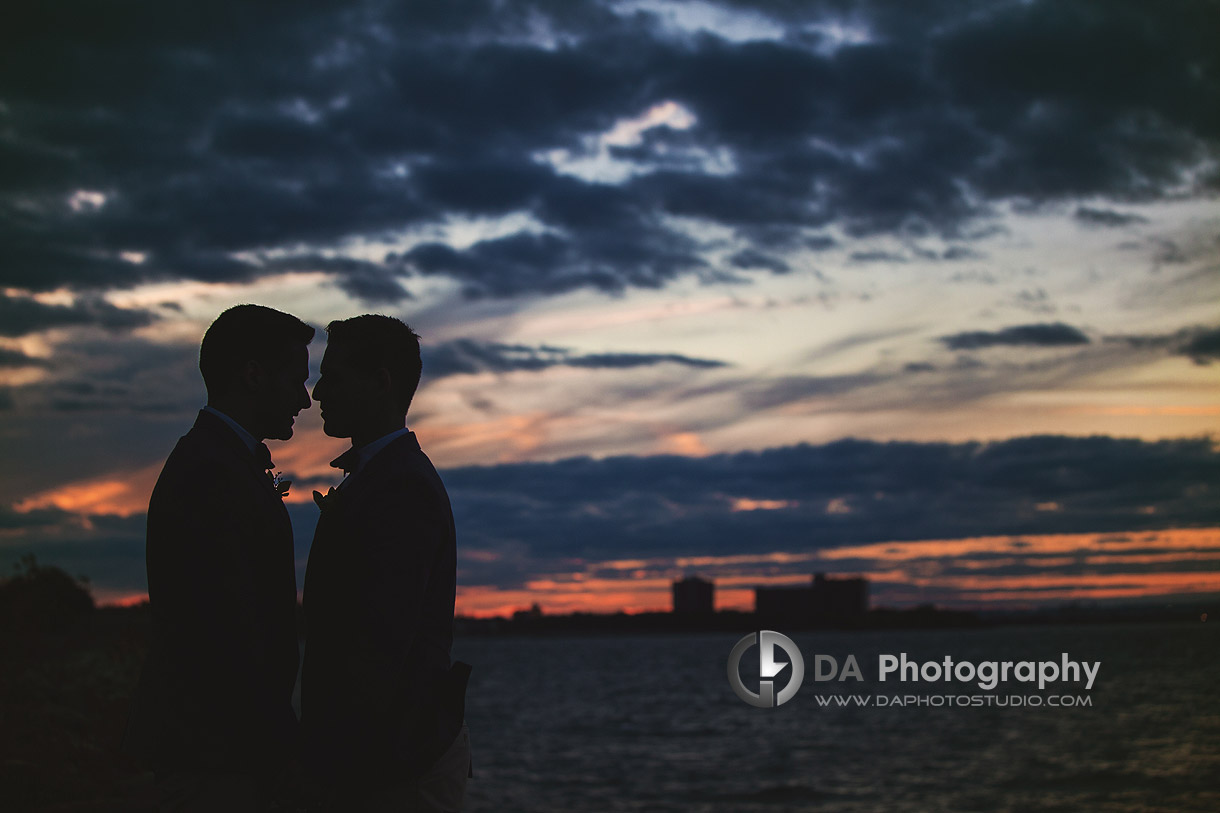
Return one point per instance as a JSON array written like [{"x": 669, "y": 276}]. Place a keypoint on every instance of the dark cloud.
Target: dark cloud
[
  {"x": 196, "y": 137},
  {"x": 750, "y": 258},
  {"x": 1203, "y": 347},
  {"x": 1106, "y": 217},
  {"x": 961, "y": 253},
  {"x": 15, "y": 358},
  {"x": 133, "y": 373},
  {"x": 31, "y": 261},
  {"x": 11, "y": 520},
  {"x": 368, "y": 281},
  {"x": 484, "y": 185},
  {"x": 1168, "y": 252},
  {"x": 20, "y": 316},
  {"x": 470, "y": 356},
  {"x": 540, "y": 517},
  {"x": 106, "y": 550},
  {"x": 625, "y": 360},
  {"x": 1041, "y": 335},
  {"x": 528, "y": 263},
  {"x": 788, "y": 389},
  {"x": 673, "y": 506},
  {"x": 1035, "y": 301},
  {"x": 1199, "y": 343},
  {"x": 1149, "y": 341},
  {"x": 1087, "y": 98},
  {"x": 876, "y": 257},
  {"x": 373, "y": 286}
]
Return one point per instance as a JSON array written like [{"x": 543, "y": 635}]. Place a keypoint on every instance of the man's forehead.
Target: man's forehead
[
  {"x": 336, "y": 355},
  {"x": 283, "y": 358}
]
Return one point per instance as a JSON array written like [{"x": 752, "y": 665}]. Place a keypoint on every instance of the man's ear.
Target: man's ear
[
  {"x": 385, "y": 381},
  {"x": 253, "y": 376}
]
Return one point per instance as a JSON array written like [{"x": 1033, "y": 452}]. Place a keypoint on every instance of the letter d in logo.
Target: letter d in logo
[{"x": 768, "y": 668}]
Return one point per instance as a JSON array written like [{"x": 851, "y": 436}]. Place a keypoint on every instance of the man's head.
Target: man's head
[
  {"x": 369, "y": 375},
  {"x": 255, "y": 363}
]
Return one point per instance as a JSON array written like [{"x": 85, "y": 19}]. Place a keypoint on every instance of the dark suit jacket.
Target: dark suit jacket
[
  {"x": 216, "y": 689},
  {"x": 379, "y": 593}
]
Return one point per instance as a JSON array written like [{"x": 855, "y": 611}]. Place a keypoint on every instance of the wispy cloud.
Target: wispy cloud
[
  {"x": 471, "y": 356},
  {"x": 20, "y": 316}
]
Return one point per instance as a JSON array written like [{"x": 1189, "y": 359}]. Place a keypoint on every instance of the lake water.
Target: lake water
[{"x": 650, "y": 723}]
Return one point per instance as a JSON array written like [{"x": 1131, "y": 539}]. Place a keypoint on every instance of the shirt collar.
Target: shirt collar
[
  {"x": 246, "y": 437},
  {"x": 365, "y": 453}
]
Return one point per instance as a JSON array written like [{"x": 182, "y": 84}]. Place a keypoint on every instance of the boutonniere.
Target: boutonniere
[
  {"x": 327, "y": 500},
  {"x": 278, "y": 483}
]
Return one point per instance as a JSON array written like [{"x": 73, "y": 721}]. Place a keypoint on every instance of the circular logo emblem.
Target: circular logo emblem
[{"x": 768, "y": 668}]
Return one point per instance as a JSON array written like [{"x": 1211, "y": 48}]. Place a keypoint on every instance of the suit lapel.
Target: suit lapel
[
  {"x": 215, "y": 431},
  {"x": 332, "y": 535}
]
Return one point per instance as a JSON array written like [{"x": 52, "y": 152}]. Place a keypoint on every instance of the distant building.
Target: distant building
[
  {"x": 694, "y": 596},
  {"x": 788, "y": 603},
  {"x": 535, "y": 611},
  {"x": 824, "y": 600},
  {"x": 840, "y": 597}
]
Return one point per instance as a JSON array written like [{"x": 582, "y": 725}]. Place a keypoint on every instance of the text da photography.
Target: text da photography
[{"x": 901, "y": 668}]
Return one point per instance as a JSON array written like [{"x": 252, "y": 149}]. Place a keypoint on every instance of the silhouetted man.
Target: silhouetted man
[
  {"x": 213, "y": 713},
  {"x": 381, "y": 708}
]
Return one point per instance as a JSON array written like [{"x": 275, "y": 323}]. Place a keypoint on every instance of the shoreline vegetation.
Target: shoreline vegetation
[
  {"x": 67, "y": 673},
  {"x": 68, "y": 669}
]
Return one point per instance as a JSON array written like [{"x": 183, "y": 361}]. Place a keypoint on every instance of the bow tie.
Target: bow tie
[
  {"x": 347, "y": 461},
  {"x": 263, "y": 456}
]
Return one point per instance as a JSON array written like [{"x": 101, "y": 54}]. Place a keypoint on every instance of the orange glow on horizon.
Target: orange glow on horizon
[
  {"x": 110, "y": 598},
  {"x": 901, "y": 573},
  {"x": 515, "y": 435},
  {"x": 686, "y": 444},
  {"x": 1146, "y": 581},
  {"x": 746, "y": 504},
  {"x": 735, "y": 598},
  {"x": 491, "y": 602},
  {"x": 1145, "y": 411},
  {"x": 645, "y": 583},
  {"x": 982, "y": 599},
  {"x": 1176, "y": 539},
  {"x": 121, "y": 495}
]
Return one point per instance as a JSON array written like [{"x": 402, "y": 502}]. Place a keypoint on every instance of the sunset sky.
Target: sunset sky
[{"x": 926, "y": 292}]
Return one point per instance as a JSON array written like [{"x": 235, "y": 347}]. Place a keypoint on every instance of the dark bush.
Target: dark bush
[{"x": 39, "y": 602}]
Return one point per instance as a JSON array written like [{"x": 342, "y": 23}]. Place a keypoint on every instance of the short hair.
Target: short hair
[
  {"x": 377, "y": 342},
  {"x": 248, "y": 333}
]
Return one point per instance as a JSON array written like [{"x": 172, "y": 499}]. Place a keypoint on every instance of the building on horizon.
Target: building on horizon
[
  {"x": 535, "y": 611},
  {"x": 826, "y": 599},
  {"x": 694, "y": 596}
]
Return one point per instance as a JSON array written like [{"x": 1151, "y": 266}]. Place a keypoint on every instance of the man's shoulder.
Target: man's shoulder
[
  {"x": 204, "y": 460},
  {"x": 402, "y": 469},
  {"x": 205, "y": 447},
  {"x": 403, "y": 459}
]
